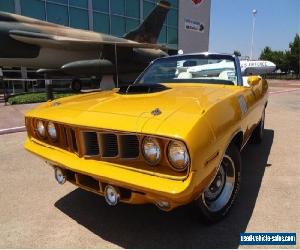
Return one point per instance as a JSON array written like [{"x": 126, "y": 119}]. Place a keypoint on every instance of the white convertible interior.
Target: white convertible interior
[{"x": 227, "y": 75}]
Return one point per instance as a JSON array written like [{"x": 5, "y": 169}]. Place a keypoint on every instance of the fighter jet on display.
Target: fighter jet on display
[{"x": 57, "y": 50}]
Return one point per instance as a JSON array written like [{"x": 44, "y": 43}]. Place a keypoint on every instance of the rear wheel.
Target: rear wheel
[
  {"x": 217, "y": 199},
  {"x": 258, "y": 132},
  {"x": 76, "y": 85}
]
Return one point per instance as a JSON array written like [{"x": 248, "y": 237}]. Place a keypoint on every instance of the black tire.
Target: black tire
[
  {"x": 215, "y": 203},
  {"x": 258, "y": 133},
  {"x": 76, "y": 85}
]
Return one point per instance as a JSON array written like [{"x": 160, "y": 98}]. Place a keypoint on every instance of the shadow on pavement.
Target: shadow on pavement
[{"x": 145, "y": 226}]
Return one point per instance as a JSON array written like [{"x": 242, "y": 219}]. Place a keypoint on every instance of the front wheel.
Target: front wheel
[
  {"x": 258, "y": 133},
  {"x": 217, "y": 199}
]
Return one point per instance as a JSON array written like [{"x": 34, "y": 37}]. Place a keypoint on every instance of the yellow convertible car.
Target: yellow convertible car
[{"x": 171, "y": 138}]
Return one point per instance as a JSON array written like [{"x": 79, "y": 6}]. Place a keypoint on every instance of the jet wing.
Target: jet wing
[{"x": 53, "y": 41}]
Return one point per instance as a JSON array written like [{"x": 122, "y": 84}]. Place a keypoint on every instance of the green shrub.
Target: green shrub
[{"x": 35, "y": 97}]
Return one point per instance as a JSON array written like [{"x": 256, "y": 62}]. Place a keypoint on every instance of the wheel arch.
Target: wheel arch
[{"x": 237, "y": 139}]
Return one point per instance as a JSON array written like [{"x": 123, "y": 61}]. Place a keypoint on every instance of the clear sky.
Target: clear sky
[{"x": 277, "y": 22}]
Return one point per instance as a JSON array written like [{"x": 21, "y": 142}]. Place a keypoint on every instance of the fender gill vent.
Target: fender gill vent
[{"x": 142, "y": 89}]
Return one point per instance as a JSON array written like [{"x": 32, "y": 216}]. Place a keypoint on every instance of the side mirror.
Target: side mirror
[
  {"x": 253, "y": 80},
  {"x": 1, "y": 74}
]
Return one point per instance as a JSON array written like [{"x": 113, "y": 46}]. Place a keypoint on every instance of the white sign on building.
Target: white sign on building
[{"x": 194, "y": 25}]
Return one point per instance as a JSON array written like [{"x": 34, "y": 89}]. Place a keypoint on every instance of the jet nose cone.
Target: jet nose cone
[{"x": 270, "y": 64}]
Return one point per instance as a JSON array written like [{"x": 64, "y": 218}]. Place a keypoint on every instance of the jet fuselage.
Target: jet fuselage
[{"x": 15, "y": 53}]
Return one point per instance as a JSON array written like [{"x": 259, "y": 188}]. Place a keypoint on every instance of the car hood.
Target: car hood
[{"x": 134, "y": 112}]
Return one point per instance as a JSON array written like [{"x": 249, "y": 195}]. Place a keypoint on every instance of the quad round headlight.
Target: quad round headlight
[
  {"x": 151, "y": 150},
  {"x": 40, "y": 127},
  {"x": 52, "y": 130},
  {"x": 178, "y": 156}
]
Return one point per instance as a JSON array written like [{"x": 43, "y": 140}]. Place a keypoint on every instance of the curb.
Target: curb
[{"x": 12, "y": 130}]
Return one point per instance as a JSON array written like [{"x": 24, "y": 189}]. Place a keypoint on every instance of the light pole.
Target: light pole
[{"x": 254, "y": 12}]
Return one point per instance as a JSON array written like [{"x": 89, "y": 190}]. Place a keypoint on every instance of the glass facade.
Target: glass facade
[
  {"x": 79, "y": 18},
  {"x": 57, "y": 14},
  {"x": 38, "y": 11},
  {"x": 116, "y": 17},
  {"x": 8, "y": 6}
]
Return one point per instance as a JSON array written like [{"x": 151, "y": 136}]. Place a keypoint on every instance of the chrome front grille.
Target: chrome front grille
[
  {"x": 110, "y": 145},
  {"x": 129, "y": 145},
  {"x": 93, "y": 144},
  {"x": 104, "y": 145},
  {"x": 90, "y": 143},
  {"x": 73, "y": 140}
]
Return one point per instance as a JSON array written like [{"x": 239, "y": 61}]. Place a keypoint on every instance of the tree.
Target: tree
[
  {"x": 266, "y": 54},
  {"x": 294, "y": 54},
  {"x": 277, "y": 57},
  {"x": 237, "y": 53},
  {"x": 284, "y": 60}
]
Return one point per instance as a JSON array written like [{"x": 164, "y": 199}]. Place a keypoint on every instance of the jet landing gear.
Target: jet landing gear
[{"x": 76, "y": 85}]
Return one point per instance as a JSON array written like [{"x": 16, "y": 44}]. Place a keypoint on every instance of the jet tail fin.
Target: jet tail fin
[{"x": 149, "y": 30}]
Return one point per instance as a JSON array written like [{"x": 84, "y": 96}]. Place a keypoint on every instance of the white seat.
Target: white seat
[
  {"x": 185, "y": 75},
  {"x": 228, "y": 75},
  {"x": 224, "y": 75}
]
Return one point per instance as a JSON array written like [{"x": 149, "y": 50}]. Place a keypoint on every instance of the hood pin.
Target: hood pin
[{"x": 156, "y": 112}]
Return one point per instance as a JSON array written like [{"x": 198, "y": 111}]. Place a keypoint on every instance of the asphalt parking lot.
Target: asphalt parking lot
[{"x": 35, "y": 212}]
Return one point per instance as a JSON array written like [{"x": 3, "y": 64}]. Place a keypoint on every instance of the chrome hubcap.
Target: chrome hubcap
[
  {"x": 217, "y": 195},
  {"x": 217, "y": 185}
]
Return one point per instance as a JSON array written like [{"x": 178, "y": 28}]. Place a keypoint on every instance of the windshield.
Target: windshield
[{"x": 214, "y": 69}]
